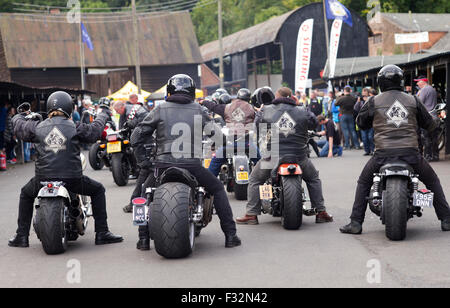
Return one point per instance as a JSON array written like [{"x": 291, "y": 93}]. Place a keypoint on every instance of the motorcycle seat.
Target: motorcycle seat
[
  {"x": 397, "y": 166},
  {"x": 175, "y": 174}
]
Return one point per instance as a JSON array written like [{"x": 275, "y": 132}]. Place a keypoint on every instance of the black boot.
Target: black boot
[
  {"x": 445, "y": 224},
  {"x": 106, "y": 237},
  {"x": 128, "y": 208},
  {"x": 353, "y": 227},
  {"x": 232, "y": 241},
  {"x": 144, "y": 239},
  {"x": 19, "y": 241}
]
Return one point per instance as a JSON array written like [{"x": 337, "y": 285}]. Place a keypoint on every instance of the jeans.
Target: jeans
[
  {"x": 431, "y": 144},
  {"x": 325, "y": 146},
  {"x": 348, "y": 127},
  {"x": 143, "y": 175},
  {"x": 83, "y": 186},
  {"x": 367, "y": 138},
  {"x": 426, "y": 176},
  {"x": 260, "y": 175},
  {"x": 221, "y": 158},
  {"x": 27, "y": 151}
]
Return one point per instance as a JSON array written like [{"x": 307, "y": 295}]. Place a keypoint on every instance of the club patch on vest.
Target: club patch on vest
[
  {"x": 238, "y": 115},
  {"x": 55, "y": 141},
  {"x": 286, "y": 124},
  {"x": 397, "y": 114}
]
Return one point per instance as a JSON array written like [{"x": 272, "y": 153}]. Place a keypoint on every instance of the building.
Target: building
[
  {"x": 44, "y": 50},
  {"x": 265, "y": 54},
  {"x": 384, "y": 26}
]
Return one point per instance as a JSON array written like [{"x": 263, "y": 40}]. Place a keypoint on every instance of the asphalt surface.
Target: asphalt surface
[{"x": 314, "y": 256}]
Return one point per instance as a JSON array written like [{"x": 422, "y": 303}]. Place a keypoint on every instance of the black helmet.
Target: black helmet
[
  {"x": 60, "y": 101},
  {"x": 224, "y": 99},
  {"x": 244, "y": 94},
  {"x": 104, "y": 102},
  {"x": 262, "y": 96},
  {"x": 390, "y": 77},
  {"x": 181, "y": 84}
]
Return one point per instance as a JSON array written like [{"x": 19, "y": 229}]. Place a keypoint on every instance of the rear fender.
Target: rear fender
[
  {"x": 289, "y": 169},
  {"x": 241, "y": 164},
  {"x": 54, "y": 192}
]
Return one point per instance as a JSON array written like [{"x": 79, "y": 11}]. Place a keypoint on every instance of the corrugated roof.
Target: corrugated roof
[
  {"x": 166, "y": 39},
  {"x": 442, "y": 45},
  {"x": 425, "y": 21},
  {"x": 354, "y": 66},
  {"x": 257, "y": 35}
]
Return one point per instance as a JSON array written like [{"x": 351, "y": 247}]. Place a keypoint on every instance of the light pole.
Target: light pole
[
  {"x": 136, "y": 47},
  {"x": 221, "y": 75}
]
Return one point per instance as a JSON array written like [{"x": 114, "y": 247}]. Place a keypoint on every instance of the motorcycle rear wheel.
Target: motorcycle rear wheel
[
  {"x": 95, "y": 161},
  {"x": 50, "y": 224},
  {"x": 120, "y": 168},
  {"x": 395, "y": 208},
  {"x": 292, "y": 204}
]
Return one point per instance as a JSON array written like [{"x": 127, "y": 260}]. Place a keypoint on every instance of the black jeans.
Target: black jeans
[
  {"x": 83, "y": 186},
  {"x": 431, "y": 144},
  {"x": 150, "y": 181},
  {"x": 420, "y": 166},
  {"x": 212, "y": 184},
  {"x": 143, "y": 175}
]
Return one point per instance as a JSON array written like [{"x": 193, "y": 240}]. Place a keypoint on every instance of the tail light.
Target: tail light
[
  {"x": 112, "y": 138},
  {"x": 289, "y": 169},
  {"x": 139, "y": 201}
]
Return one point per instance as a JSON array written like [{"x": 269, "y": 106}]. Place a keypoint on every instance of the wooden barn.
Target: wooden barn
[
  {"x": 44, "y": 51},
  {"x": 265, "y": 54}
]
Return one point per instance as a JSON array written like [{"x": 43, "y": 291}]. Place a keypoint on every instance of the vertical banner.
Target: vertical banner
[
  {"x": 334, "y": 45},
  {"x": 304, "y": 46}
]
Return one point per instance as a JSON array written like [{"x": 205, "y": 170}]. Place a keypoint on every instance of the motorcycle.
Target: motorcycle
[
  {"x": 236, "y": 171},
  {"x": 395, "y": 197},
  {"x": 175, "y": 211},
  {"x": 123, "y": 162},
  {"x": 98, "y": 156},
  {"x": 61, "y": 216},
  {"x": 283, "y": 195},
  {"x": 441, "y": 111}
]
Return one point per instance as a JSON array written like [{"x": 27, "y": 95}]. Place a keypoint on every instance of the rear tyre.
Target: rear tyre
[
  {"x": 50, "y": 221},
  {"x": 240, "y": 191},
  {"x": 95, "y": 162},
  {"x": 172, "y": 228},
  {"x": 291, "y": 198},
  {"x": 120, "y": 168},
  {"x": 395, "y": 208}
]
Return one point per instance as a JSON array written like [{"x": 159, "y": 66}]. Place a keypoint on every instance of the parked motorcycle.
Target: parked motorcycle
[
  {"x": 396, "y": 198},
  {"x": 441, "y": 111},
  {"x": 176, "y": 211},
  {"x": 123, "y": 162},
  {"x": 283, "y": 195},
  {"x": 98, "y": 155},
  {"x": 61, "y": 216}
]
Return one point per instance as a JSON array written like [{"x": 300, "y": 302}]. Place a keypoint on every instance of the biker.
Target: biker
[
  {"x": 236, "y": 113},
  {"x": 396, "y": 139},
  {"x": 180, "y": 110},
  {"x": 293, "y": 139},
  {"x": 105, "y": 102},
  {"x": 54, "y": 157}
]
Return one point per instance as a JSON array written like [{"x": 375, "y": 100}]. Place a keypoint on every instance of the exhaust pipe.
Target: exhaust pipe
[
  {"x": 77, "y": 215},
  {"x": 224, "y": 168}
]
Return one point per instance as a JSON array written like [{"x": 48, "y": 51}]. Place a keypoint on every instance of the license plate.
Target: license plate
[
  {"x": 265, "y": 192},
  {"x": 242, "y": 176},
  {"x": 423, "y": 199},
  {"x": 207, "y": 163},
  {"x": 140, "y": 214},
  {"x": 114, "y": 147}
]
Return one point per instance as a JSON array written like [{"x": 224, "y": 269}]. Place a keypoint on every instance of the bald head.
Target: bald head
[{"x": 119, "y": 107}]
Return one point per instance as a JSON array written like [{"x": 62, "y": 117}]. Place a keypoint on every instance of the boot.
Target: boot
[
  {"x": 19, "y": 241},
  {"x": 323, "y": 217},
  {"x": 247, "y": 220},
  {"x": 128, "y": 208},
  {"x": 106, "y": 237},
  {"x": 144, "y": 239},
  {"x": 232, "y": 241},
  {"x": 445, "y": 224},
  {"x": 353, "y": 227}
]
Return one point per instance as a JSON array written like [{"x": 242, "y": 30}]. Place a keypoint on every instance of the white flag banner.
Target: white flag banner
[
  {"x": 334, "y": 45},
  {"x": 304, "y": 46}
]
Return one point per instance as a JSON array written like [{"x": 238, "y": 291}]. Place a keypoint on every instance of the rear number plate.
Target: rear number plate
[
  {"x": 140, "y": 214},
  {"x": 207, "y": 163},
  {"x": 114, "y": 147},
  {"x": 242, "y": 176},
  {"x": 423, "y": 199},
  {"x": 265, "y": 192}
]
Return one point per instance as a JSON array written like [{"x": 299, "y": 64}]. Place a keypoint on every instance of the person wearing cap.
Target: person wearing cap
[{"x": 428, "y": 96}]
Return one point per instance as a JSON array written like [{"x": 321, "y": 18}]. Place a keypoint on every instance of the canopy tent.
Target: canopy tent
[
  {"x": 198, "y": 93},
  {"x": 126, "y": 91}
]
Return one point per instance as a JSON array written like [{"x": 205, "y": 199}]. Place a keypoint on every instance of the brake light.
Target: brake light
[
  {"x": 289, "y": 169},
  {"x": 104, "y": 134},
  {"x": 50, "y": 185},
  {"x": 139, "y": 201}
]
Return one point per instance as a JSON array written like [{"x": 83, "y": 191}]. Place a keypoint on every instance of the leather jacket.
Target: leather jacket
[
  {"x": 395, "y": 117},
  {"x": 58, "y": 143},
  {"x": 178, "y": 124}
]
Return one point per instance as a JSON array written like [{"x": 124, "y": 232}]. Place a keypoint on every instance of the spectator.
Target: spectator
[
  {"x": 428, "y": 96},
  {"x": 347, "y": 103},
  {"x": 366, "y": 135},
  {"x": 9, "y": 138},
  {"x": 303, "y": 100},
  {"x": 315, "y": 104},
  {"x": 332, "y": 145},
  {"x": 76, "y": 115}
]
